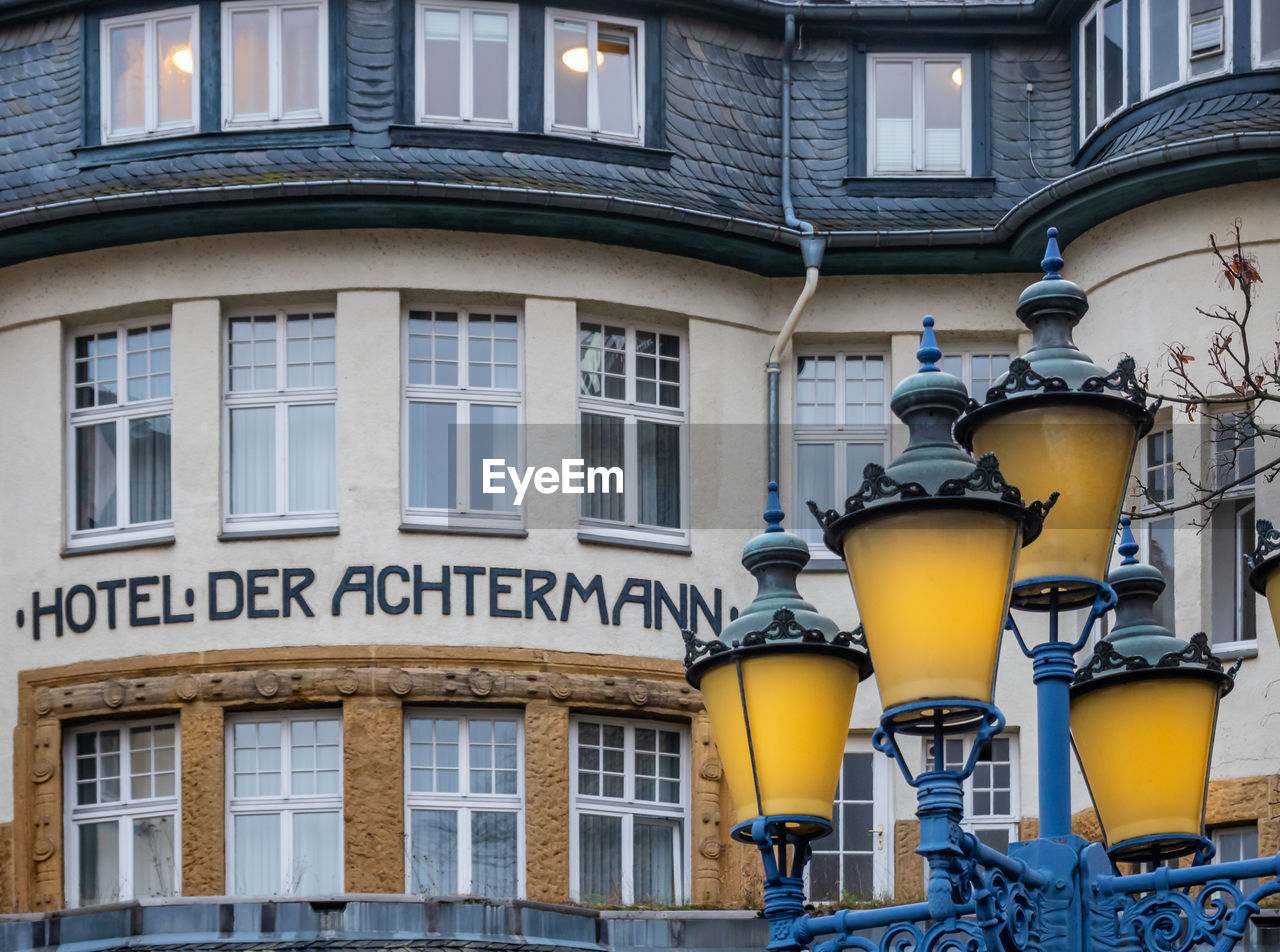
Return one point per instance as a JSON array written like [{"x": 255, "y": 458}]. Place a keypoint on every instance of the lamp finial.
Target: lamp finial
[
  {"x": 929, "y": 353},
  {"x": 1052, "y": 262},
  {"x": 773, "y": 513},
  {"x": 1128, "y": 547}
]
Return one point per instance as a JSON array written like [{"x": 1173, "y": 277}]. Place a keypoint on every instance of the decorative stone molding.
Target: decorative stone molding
[
  {"x": 266, "y": 683},
  {"x": 112, "y": 693}
]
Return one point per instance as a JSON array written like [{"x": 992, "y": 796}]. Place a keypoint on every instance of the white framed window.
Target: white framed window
[
  {"x": 468, "y": 63},
  {"x": 1104, "y": 52},
  {"x": 841, "y": 424},
  {"x": 632, "y": 411},
  {"x": 463, "y": 391},
  {"x": 122, "y": 811},
  {"x": 978, "y": 368},
  {"x": 1158, "y": 467},
  {"x": 464, "y": 800},
  {"x": 595, "y": 69},
  {"x": 1266, "y": 34},
  {"x": 920, "y": 114},
  {"x": 1184, "y": 40},
  {"x": 629, "y": 811},
  {"x": 119, "y": 417},
  {"x": 1232, "y": 532},
  {"x": 1235, "y": 843},
  {"x": 991, "y": 793},
  {"x": 275, "y": 64},
  {"x": 853, "y": 862},
  {"x": 279, "y": 404},
  {"x": 284, "y": 804},
  {"x": 150, "y": 69}
]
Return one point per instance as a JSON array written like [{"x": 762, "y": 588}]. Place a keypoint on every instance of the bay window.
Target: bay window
[
  {"x": 595, "y": 76},
  {"x": 121, "y": 403},
  {"x": 284, "y": 805},
  {"x": 122, "y": 815},
  {"x": 467, "y": 56},
  {"x": 629, "y": 810},
  {"x": 1184, "y": 40},
  {"x": 464, "y": 792},
  {"x": 274, "y": 64},
  {"x": 150, "y": 74},
  {"x": 841, "y": 425},
  {"x": 919, "y": 122},
  {"x": 281, "y": 445},
  {"x": 1103, "y": 55},
  {"x": 1266, "y": 34},
  {"x": 463, "y": 404}
]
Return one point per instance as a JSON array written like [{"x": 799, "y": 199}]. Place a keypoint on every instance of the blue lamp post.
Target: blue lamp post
[{"x": 934, "y": 546}]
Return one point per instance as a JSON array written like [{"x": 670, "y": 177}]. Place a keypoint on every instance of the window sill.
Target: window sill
[
  {"x": 650, "y": 545},
  {"x": 506, "y": 532},
  {"x": 824, "y": 563},
  {"x": 924, "y": 186},
  {"x": 445, "y": 137},
  {"x": 1237, "y": 649},
  {"x": 282, "y": 532},
  {"x": 93, "y": 156},
  {"x": 71, "y": 551}
]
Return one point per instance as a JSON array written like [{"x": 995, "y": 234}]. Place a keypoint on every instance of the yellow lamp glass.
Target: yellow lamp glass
[
  {"x": 799, "y": 705},
  {"x": 932, "y": 587},
  {"x": 1272, "y": 590},
  {"x": 1144, "y": 748},
  {"x": 1082, "y": 452}
]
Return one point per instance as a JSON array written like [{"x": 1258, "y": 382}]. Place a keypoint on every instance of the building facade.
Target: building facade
[{"x": 277, "y": 278}]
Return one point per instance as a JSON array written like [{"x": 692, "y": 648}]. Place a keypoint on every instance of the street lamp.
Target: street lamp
[
  {"x": 934, "y": 547},
  {"x": 1265, "y": 560}
]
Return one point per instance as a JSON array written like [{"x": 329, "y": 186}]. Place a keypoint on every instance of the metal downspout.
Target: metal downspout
[{"x": 811, "y": 250}]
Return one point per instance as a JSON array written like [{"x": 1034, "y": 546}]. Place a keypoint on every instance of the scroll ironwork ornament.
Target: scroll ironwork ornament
[
  {"x": 1023, "y": 378},
  {"x": 782, "y": 627},
  {"x": 951, "y": 935},
  {"x": 1268, "y": 542},
  {"x": 1124, "y": 380},
  {"x": 1170, "y": 920},
  {"x": 1107, "y": 658}
]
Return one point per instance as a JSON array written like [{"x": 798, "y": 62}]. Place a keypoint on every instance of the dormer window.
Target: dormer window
[
  {"x": 150, "y": 74},
  {"x": 274, "y": 64},
  {"x": 595, "y": 76},
  {"x": 919, "y": 122},
  {"x": 467, "y": 57}
]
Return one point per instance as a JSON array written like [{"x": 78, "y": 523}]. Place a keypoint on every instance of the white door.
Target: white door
[{"x": 853, "y": 862}]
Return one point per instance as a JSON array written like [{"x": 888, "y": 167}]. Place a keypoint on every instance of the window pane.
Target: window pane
[
  {"x": 1112, "y": 56},
  {"x": 253, "y": 460},
  {"x": 943, "y": 104},
  {"x": 99, "y": 862},
  {"x": 433, "y": 435},
  {"x": 96, "y": 476},
  {"x": 300, "y": 55},
  {"x": 257, "y": 846},
  {"x": 96, "y": 370},
  {"x": 816, "y": 480},
  {"x": 317, "y": 850},
  {"x": 1090, "y": 72},
  {"x": 857, "y": 457},
  {"x": 996, "y": 839},
  {"x": 1269, "y": 30},
  {"x": 250, "y": 90},
  {"x": 893, "y": 117},
  {"x": 658, "y": 453},
  {"x": 433, "y": 848},
  {"x": 1160, "y": 555},
  {"x": 153, "y": 852},
  {"x": 602, "y": 445},
  {"x": 615, "y": 78},
  {"x": 442, "y": 62},
  {"x": 1162, "y": 44},
  {"x": 494, "y": 434},
  {"x": 174, "y": 70},
  {"x": 128, "y": 79},
  {"x": 149, "y": 475},
  {"x": 600, "y": 858},
  {"x": 493, "y": 855},
  {"x": 490, "y": 66},
  {"x": 815, "y": 391},
  {"x": 654, "y": 859},
  {"x": 313, "y": 459},
  {"x": 570, "y": 77}
]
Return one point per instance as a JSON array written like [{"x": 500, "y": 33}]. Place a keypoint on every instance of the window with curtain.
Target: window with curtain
[
  {"x": 284, "y": 804},
  {"x": 991, "y": 802},
  {"x": 122, "y": 817},
  {"x": 1103, "y": 48},
  {"x": 919, "y": 121},
  {"x": 465, "y": 800},
  {"x": 119, "y": 419},
  {"x": 841, "y": 424},
  {"x": 632, "y": 410},
  {"x": 629, "y": 805},
  {"x": 463, "y": 392},
  {"x": 275, "y": 64},
  {"x": 595, "y": 76},
  {"x": 467, "y": 56},
  {"x": 150, "y": 68},
  {"x": 281, "y": 440},
  {"x": 1184, "y": 40}
]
